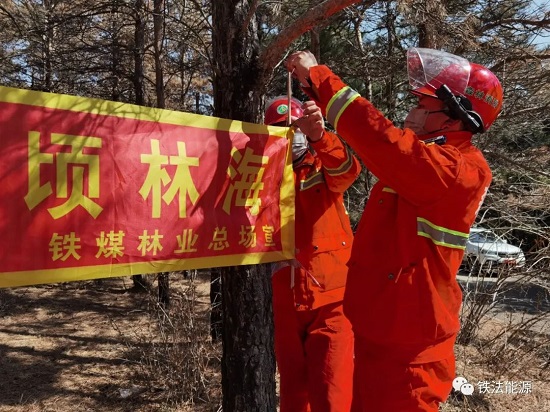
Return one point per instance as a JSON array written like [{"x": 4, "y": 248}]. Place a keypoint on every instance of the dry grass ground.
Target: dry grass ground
[
  {"x": 82, "y": 346},
  {"x": 102, "y": 346}
]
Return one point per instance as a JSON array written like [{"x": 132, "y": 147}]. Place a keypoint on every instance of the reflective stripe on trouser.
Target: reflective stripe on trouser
[
  {"x": 386, "y": 384},
  {"x": 314, "y": 352}
]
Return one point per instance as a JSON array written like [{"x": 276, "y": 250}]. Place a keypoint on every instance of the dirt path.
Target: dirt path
[{"x": 62, "y": 347}]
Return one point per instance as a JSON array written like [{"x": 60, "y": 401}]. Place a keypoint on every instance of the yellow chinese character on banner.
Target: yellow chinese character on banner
[
  {"x": 268, "y": 234},
  {"x": 62, "y": 247},
  {"x": 186, "y": 241},
  {"x": 110, "y": 244},
  {"x": 219, "y": 239},
  {"x": 70, "y": 167},
  {"x": 246, "y": 180},
  {"x": 182, "y": 184},
  {"x": 148, "y": 243},
  {"x": 248, "y": 237},
  {"x": 182, "y": 181},
  {"x": 156, "y": 176}
]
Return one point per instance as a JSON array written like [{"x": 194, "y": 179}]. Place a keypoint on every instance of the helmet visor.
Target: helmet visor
[{"x": 428, "y": 69}]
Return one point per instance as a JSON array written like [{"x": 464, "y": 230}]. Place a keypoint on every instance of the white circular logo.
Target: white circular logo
[
  {"x": 282, "y": 109},
  {"x": 460, "y": 384},
  {"x": 467, "y": 389}
]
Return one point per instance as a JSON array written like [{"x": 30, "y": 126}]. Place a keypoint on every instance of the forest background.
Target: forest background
[{"x": 223, "y": 58}]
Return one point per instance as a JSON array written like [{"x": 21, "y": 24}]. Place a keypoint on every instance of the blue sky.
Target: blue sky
[{"x": 544, "y": 38}]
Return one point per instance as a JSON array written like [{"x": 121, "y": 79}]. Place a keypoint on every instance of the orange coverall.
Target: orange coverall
[
  {"x": 313, "y": 338},
  {"x": 402, "y": 296}
]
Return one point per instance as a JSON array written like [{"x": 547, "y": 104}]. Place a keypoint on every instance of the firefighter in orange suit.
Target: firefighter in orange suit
[
  {"x": 402, "y": 296},
  {"x": 313, "y": 338}
]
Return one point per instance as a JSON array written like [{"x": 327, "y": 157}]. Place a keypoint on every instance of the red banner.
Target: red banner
[{"x": 94, "y": 188}]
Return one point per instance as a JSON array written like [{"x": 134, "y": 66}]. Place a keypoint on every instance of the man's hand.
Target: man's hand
[
  {"x": 311, "y": 123},
  {"x": 299, "y": 63}
]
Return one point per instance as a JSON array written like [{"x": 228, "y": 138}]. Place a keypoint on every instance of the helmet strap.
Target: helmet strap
[{"x": 459, "y": 108}]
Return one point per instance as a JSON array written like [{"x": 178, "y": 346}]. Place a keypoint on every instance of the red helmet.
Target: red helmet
[
  {"x": 277, "y": 110},
  {"x": 476, "y": 87}
]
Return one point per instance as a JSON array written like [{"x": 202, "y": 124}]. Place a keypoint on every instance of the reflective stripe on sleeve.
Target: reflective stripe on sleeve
[
  {"x": 312, "y": 180},
  {"x": 343, "y": 168},
  {"x": 440, "y": 235},
  {"x": 338, "y": 104}
]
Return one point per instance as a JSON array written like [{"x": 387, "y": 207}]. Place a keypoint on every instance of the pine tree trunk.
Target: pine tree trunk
[
  {"x": 158, "y": 35},
  {"x": 248, "y": 362},
  {"x": 139, "y": 52}
]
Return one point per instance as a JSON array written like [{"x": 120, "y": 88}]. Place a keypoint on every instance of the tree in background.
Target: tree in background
[{"x": 241, "y": 74}]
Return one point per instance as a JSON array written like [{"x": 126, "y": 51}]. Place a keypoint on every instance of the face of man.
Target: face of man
[
  {"x": 299, "y": 144},
  {"x": 429, "y": 116}
]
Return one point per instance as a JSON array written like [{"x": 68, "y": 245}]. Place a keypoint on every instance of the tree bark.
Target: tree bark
[
  {"x": 139, "y": 76},
  {"x": 239, "y": 81},
  {"x": 248, "y": 360},
  {"x": 164, "y": 289},
  {"x": 158, "y": 35},
  {"x": 116, "y": 52},
  {"x": 47, "y": 46},
  {"x": 139, "y": 52}
]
